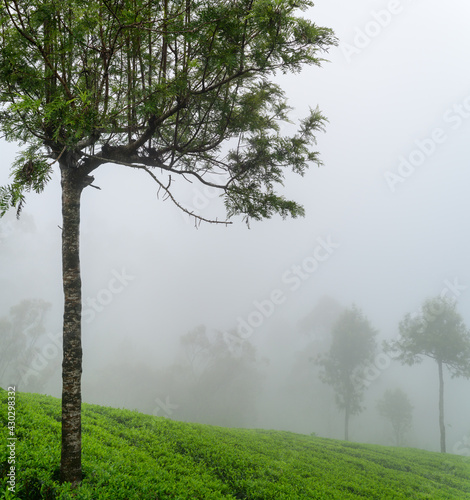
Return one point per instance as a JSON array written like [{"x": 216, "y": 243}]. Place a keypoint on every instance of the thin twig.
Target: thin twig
[{"x": 165, "y": 188}]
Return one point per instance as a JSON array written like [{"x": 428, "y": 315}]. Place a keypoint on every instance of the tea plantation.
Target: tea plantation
[{"x": 128, "y": 455}]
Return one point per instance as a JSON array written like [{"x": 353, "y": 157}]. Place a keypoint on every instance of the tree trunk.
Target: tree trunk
[
  {"x": 396, "y": 431},
  {"x": 346, "y": 423},
  {"x": 441, "y": 408},
  {"x": 72, "y": 186}
]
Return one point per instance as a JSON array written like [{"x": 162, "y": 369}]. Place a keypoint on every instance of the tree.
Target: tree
[
  {"x": 396, "y": 407},
  {"x": 172, "y": 89},
  {"x": 319, "y": 322},
  {"x": 352, "y": 348},
  {"x": 20, "y": 335},
  {"x": 197, "y": 348},
  {"x": 437, "y": 332},
  {"x": 217, "y": 379},
  {"x": 307, "y": 402}
]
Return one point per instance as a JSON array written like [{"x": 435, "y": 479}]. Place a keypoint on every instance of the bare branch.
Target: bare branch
[{"x": 166, "y": 189}]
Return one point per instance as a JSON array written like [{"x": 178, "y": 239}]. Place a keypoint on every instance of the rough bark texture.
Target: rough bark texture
[
  {"x": 72, "y": 186},
  {"x": 441, "y": 408}
]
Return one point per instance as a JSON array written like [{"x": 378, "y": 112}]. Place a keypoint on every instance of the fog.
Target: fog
[{"x": 384, "y": 229}]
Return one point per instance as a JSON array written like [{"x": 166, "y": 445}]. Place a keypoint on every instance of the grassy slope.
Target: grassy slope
[{"x": 127, "y": 455}]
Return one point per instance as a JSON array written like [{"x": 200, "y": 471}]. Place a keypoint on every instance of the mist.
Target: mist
[{"x": 384, "y": 229}]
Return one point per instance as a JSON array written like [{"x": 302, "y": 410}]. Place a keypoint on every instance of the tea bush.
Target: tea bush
[{"x": 128, "y": 455}]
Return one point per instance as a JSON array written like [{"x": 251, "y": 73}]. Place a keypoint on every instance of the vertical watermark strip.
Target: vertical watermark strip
[{"x": 11, "y": 439}]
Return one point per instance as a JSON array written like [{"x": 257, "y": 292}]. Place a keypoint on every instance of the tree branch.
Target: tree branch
[{"x": 197, "y": 217}]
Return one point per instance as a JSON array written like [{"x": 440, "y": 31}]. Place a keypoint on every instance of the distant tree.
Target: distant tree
[
  {"x": 216, "y": 379},
  {"x": 20, "y": 338},
  {"x": 197, "y": 348},
  {"x": 306, "y": 400},
  {"x": 353, "y": 347},
  {"x": 396, "y": 407},
  {"x": 437, "y": 332},
  {"x": 319, "y": 322},
  {"x": 173, "y": 89}
]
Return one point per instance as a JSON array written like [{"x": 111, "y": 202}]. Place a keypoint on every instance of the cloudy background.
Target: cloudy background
[{"x": 386, "y": 221}]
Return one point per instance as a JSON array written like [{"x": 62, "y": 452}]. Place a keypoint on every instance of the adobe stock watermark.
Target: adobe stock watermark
[
  {"x": 11, "y": 440},
  {"x": 453, "y": 119},
  {"x": 116, "y": 285},
  {"x": 291, "y": 280},
  {"x": 52, "y": 346},
  {"x": 382, "y": 361},
  {"x": 462, "y": 447},
  {"x": 48, "y": 352},
  {"x": 201, "y": 197},
  {"x": 379, "y": 20},
  {"x": 164, "y": 406}
]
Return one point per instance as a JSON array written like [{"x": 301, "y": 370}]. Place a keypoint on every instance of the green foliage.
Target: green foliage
[
  {"x": 174, "y": 88},
  {"x": 30, "y": 172},
  {"x": 127, "y": 455},
  {"x": 172, "y": 85},
  {"x": 438, "y": 332}
]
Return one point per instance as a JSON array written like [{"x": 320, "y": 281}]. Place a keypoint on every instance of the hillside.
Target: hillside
[{"x": 128, "y": 455}]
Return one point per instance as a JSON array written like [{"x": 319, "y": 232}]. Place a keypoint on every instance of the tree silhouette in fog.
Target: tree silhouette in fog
[
  {"x": 397, "y": 409},
  {"x": 437, "y": 332},
  {"x": 353, "y": 347}
]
